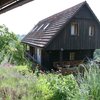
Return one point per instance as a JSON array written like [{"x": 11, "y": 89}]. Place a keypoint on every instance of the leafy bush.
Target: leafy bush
[
  {"x": 11, "y": 49},
  {"x": 58, "y": 87},
  {"x": 20, "y": 83},
  {"x": 16, "y": 85},
  {"x": 24, "y": 70}
]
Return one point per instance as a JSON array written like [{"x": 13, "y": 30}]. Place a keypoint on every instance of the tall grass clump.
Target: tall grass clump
[{"x": 89, "y": 84}]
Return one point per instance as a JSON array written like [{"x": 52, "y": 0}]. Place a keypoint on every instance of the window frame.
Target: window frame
[
  {"x": 91, "y": 30},
  {"x": 72, "y": 56},
  {"x": 74, "y": 29}
]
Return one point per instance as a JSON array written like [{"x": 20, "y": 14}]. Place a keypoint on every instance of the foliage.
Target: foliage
[
  {"x": 90, "y": 82},
  {"x": 11, "y": 49},
  {"x": 97, "y": 55},
  {"x": 16, "y": 85},
  {"x": 58, "y": 87},
  {"x": 24, "y": 70},
  {"x": 21, "y": 83}
]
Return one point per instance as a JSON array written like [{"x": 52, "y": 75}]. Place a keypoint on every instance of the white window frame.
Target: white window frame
[
  {"x": 74, "y": 28},
  {"x": 91, "y": 30}
]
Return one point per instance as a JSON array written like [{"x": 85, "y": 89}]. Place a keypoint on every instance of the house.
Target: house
[{"x": 67, "y": 37}]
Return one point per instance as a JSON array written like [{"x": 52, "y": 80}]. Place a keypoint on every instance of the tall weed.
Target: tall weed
[{"x": 90, "y": 82}]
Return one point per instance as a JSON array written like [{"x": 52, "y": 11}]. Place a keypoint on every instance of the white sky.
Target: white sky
[{"x": 22, "y": 19}]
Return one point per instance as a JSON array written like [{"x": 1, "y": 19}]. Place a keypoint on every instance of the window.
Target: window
[
  {"x": 34, "y": 28},
  {"x": 91, "y": 30},
  {"x": 46, "y": 26},
  {"x": 74, "y": 29},
  {"x": 40, "y": 27},
  {"x": 72, "y": 56}
]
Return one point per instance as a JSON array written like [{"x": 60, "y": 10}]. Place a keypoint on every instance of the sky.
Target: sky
[{"x": 22, "y": 19}]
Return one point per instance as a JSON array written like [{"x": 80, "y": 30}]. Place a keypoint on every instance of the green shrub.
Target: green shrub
[
  {"x": 11, "y": 49},
  {"x": 23, "y": 70},
  {"x": 16, "y": 85},
  {"x": 19, "y": 83}
]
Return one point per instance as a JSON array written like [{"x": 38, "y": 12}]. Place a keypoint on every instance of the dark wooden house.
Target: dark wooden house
[{"x": 67, "y": 37}]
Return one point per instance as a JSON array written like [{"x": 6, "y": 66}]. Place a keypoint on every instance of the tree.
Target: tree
[{"x": 11, "y": 49}]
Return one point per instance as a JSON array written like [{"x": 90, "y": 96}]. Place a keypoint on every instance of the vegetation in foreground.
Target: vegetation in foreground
[{"x": 19, "y": 83}]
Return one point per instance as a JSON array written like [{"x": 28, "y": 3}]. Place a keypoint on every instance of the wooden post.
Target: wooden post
[{"x": 61, "y": 56}]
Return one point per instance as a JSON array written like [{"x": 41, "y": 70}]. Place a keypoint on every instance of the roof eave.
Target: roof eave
[
  {"x": 4, "y": 8},
  {"x": 33, "y": 45}
]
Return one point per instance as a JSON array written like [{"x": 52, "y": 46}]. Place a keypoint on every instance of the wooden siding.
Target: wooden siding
[
  {"x": 65, "y": 40},
  {"x": 49, "y": 57}
]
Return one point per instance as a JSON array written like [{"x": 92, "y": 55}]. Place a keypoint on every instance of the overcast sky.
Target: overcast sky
[{"x": 22, "y": 19}]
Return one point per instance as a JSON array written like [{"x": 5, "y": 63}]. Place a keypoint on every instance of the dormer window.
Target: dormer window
[
  {"x": 74, "y": 28},
  {"x": 91, "y": 30}
]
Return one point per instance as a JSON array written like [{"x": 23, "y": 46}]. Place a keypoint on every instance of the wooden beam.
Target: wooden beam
[{"x": 11, "y": 4}]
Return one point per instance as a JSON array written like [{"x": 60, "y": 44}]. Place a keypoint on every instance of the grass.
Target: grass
[{"x": 90, "y": 83}]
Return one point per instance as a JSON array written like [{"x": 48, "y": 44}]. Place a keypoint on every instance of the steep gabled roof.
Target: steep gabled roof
[{"x": 44, "y": 32}]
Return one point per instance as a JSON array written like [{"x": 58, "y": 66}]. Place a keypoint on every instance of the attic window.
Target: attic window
[
  {"x": 74, "y": 28},
  {"x": 46, "y": 26},
  {"x": 91, "y": 30},
  {"x": 34, "y": 28},
  {"x": 40, "y": 27}
]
